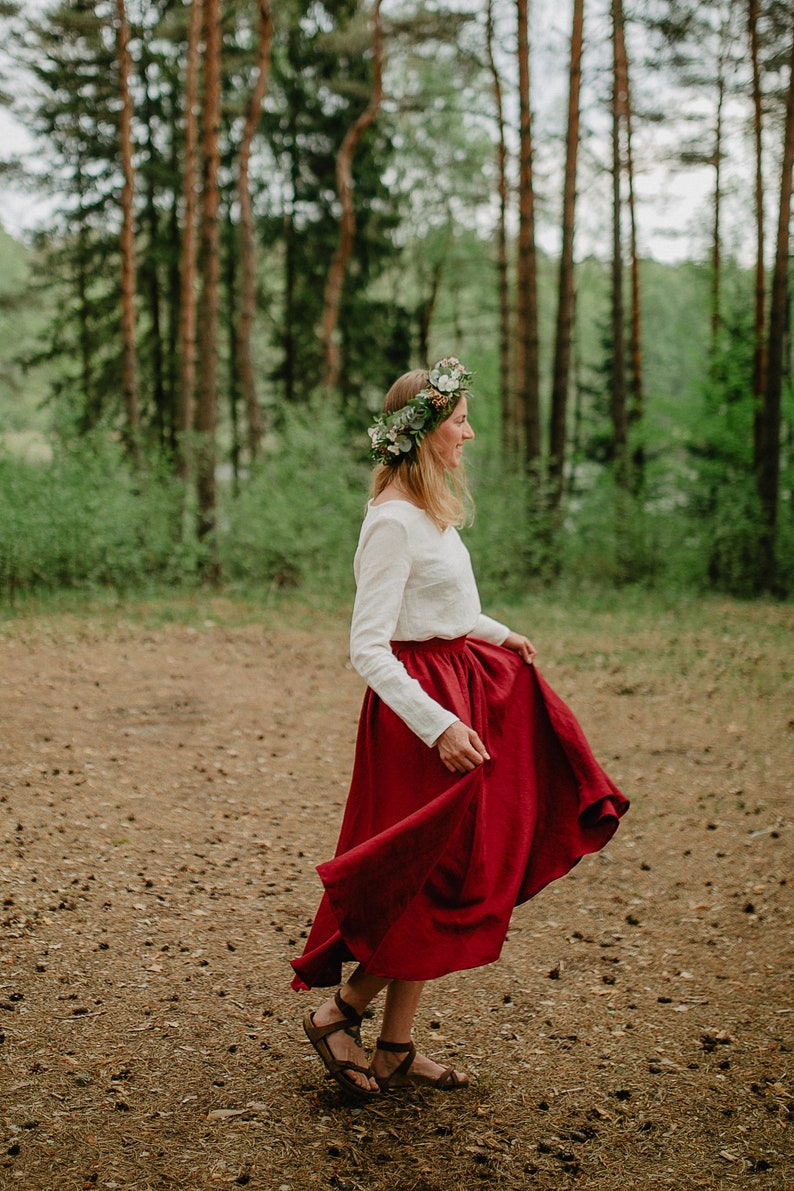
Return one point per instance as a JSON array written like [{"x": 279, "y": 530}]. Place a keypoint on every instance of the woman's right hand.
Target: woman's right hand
[{"x": 460, "y": 748}]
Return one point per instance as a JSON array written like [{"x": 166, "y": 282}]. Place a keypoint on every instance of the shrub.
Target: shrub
[
  {"x": 86, "y": 519},
  {"x": 296, "y": 519}
]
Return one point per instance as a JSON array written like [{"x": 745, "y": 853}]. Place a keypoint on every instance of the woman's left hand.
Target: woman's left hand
[{"x": 522, "y": 646}]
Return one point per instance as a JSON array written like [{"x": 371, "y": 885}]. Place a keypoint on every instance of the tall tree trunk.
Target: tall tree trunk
[
  {"x": 81, "y": 284},
  {"x": 130, "y": 359},
  {"x": 768, "y": 471},
  {"x": 618, "y": 400},
  {"x": 209, "y": 270},
  {"x": 635, "y": 409},
  {"x": 565, "y": 297},
  {"x": 187, "y": 263},
  {"x": 150, "y": 270},
  {"x": 290, "y": 367},
  {"x": 509, "y": 433},
  {"x": 344, "y": 188},
  {"x": 527, "y": 366},
  {"x": 759, "y": 344},
  {"x": 245, "y": 362},
  {"x": 173, "y": 286},
  {"x": 426, "y": 312},
  {"x": 716, "y": 234},
  {"x": 578, "y": 403},
  {"x": 231, "y": 259}
]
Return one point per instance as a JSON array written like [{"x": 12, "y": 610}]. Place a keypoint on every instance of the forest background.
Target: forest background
[{"x": 254, "y": 216}]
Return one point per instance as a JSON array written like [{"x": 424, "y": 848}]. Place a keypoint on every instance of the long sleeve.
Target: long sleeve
[
  {"x": 384, "y": 567},
  {"x": 488, "y": 629}
]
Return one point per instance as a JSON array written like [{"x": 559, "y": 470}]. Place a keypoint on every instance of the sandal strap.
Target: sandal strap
[
  {"x": 406, "y": 1048},
  {"x": 397, "y": 1048},
  {"x": 338, "y": 1065},
  {"x": 347, "y": 1011},
  {"x": 449, "y": 1079}
]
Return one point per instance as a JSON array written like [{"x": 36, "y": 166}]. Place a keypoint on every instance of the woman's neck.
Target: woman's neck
[{"x": 395, "y": 491}]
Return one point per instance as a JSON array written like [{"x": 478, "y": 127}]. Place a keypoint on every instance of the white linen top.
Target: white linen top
[{"x": 414, "y": 581}]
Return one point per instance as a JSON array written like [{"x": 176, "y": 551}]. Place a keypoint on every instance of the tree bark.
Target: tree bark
[
  {"x": 149, "y": 274},
  {"x": 187, "y": 264},
  {"x": 245, "y": 362},
  {"x": 635, "y": 408},
  {"x": 427, "y": 310},
  {"x": 509, "y": 432},
  {"x": 618, "y": 399},
  {"x": 186, "y": 380},
  {"x": 130, "y": 359},
  {"x": 174, "y": 280},
  {"x": 81, "y": 284},
  {"x": 231, "y": 260},
  {"x": 344, "y": 188},
  {"x": 209, "y": 270},
  {"x": 759, "y": 344},
  {"x": 566, "y": 298},
  {"x": 768, "y": 471},
  {"x": 716, "y": 235},
  {"x": 527, "y": 366}
]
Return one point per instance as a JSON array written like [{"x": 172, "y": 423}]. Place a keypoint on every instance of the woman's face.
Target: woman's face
[{"x": 453, "y": 432}]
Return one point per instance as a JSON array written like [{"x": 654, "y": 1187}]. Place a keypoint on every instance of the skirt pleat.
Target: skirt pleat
[{"x": 430, "y": 864}]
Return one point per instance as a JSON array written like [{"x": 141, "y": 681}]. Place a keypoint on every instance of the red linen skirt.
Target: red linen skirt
[{"x": 430, "y": 864}]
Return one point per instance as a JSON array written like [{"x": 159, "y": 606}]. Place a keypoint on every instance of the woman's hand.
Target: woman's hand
[
  {"x": 460, "y": 748},
  {"x": 522, "y": 646}
]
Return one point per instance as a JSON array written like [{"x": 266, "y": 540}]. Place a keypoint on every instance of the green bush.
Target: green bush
[
  {"x": 296, "y": 519},
  {"x": 85, "y": 519},
  {"x": 509, "y": 537}
]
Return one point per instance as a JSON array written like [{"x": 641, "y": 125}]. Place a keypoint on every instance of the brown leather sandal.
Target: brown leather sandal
[
  {"x": 401, "y": 1077},
  {"x": 335, "y": 1067}
]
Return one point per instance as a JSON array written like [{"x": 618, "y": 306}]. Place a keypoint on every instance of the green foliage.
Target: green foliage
[
  {"x": 509, "y": 536},
  {"x": 86, "y": 520},
  {"x": 296, "y": 520},
  {"x": 70, "y": 52},
  {"x": 320, "y": 83},
  {"x": 22, "y": 318},
  {"x": 611, "y": 538},
  {"x": 724, "y": 503}
]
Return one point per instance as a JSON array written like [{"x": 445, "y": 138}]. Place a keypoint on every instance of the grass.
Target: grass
[{"x": 744, "y": 646}]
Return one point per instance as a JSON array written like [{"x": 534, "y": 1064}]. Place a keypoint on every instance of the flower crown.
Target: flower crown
[{"x": 395, "y": 435}]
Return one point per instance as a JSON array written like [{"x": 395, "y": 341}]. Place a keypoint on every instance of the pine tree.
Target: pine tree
[
  {"x": 768, "y": 458},
  {"x": 187, "y": 259},
  {"x": 507, "y": 396},
  {"x": 317, "y": 81},
  {"x": 71, "y": 54},
  {"x": 347, "y": 223},
  {"x": 245, "y": 366},
  {"x": 527, "y": 338},
  {"x": 618, "y": 390},
  {"x": 565, "y": 297},
  {"x": 128, "y": 268},
  {"x": 209, "y": 273}
]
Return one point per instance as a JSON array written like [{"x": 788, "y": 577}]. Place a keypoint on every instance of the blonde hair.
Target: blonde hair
[{"x": 443, "y": 494}]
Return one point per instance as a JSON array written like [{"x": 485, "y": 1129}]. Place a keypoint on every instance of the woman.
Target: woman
[{"x": 473, "y": 785}]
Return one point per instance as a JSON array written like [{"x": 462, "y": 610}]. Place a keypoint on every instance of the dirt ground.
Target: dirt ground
[{"x": 165, "y": 793}]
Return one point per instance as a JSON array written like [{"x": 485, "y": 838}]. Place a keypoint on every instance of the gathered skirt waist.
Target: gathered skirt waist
[{"x": 433, "y": 645}]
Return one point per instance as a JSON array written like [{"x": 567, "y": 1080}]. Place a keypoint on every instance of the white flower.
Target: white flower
[{"x": 446, "y": 384}]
